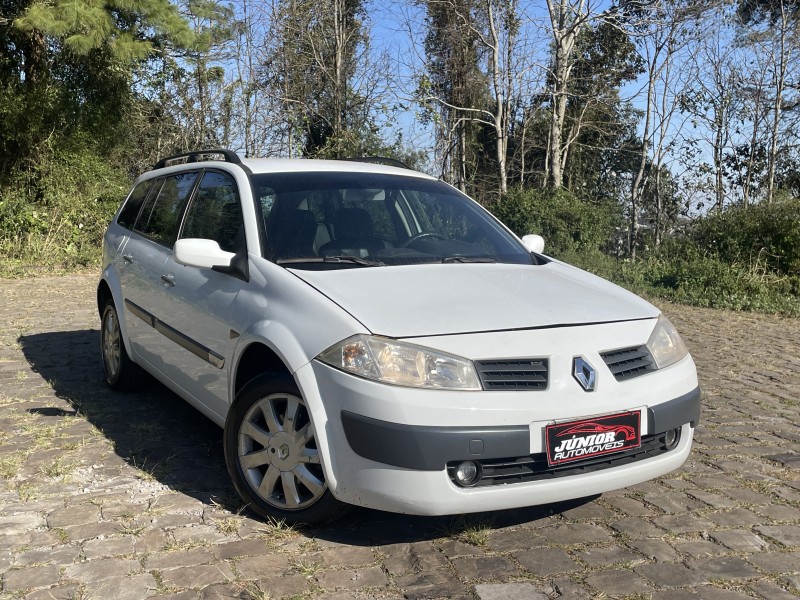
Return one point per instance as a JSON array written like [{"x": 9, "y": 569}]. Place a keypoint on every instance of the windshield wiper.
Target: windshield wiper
[
  {"x": 468, "y": 259},
  {"x": 357, "y": 260},
  {"x": 353, "y": 259}
]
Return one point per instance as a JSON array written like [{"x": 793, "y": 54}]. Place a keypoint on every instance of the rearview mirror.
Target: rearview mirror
[
  {"x": 204, "y": 254},
  {"x": 534, "y": 243}
]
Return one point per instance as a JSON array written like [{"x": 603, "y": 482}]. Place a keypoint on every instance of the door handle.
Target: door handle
[{"x": 168, "y": 279}]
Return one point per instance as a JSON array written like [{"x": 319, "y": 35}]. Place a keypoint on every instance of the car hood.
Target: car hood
[{"x": 441, "y": 299}]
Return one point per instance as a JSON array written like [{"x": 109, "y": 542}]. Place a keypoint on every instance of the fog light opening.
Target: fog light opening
[
  {"x": 672, "y": 437},
  {"x": 467, "y": 473}
]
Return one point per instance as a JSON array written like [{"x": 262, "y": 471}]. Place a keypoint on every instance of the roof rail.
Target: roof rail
[
  {"x": 380, "y": 160},
  {"x": 197, "y": 156}
]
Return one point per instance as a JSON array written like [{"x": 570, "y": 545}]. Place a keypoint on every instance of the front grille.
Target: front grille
[
  {"x": 503, "y": 471},
  {"x": 513, "y": 374},
  {"x": 628, "y": 363}
]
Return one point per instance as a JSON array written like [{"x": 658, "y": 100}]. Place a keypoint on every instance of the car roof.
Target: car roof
[{"x": 292, "y": 165}]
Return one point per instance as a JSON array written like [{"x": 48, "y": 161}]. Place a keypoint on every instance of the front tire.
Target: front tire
[{"x": 272, "y": 455}]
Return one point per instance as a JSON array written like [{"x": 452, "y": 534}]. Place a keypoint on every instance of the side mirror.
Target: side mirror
[
  {"x": 534, "y": 243},
  {"x": 204, "y": 254}
]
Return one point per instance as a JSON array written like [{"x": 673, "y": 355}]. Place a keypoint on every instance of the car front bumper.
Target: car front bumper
[{"x": 389, "y": 447}]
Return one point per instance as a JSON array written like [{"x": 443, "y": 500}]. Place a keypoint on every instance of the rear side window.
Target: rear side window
[
  {"x": 215, "y": 213},
  {"x": 129, "y": 212},
  {"x": 161, "y": 213}
]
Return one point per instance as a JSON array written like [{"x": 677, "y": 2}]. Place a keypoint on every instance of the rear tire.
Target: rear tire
[
  {"x": 121, "y": 373},
  {"x": 272, "y": 455}
]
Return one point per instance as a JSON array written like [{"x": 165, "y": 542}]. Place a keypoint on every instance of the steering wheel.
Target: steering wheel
[{"x": 422, "y": 235}]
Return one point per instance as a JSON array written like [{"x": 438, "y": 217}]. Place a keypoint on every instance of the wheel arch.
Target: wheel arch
[{"x": 257, "y": 359}]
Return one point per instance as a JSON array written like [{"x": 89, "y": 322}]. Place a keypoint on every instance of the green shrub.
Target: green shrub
[
  {"x": 53, "y": 215},
  {"x": 567, "y": 223},
  {"x": 763, "y": 236}
]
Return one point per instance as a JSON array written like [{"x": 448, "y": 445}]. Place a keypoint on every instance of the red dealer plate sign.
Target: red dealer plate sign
[{"x": 589, "y": 438}]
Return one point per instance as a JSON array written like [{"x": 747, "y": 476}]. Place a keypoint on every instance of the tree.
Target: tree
[
  {"x": 773, "y": 28},
  {"x": 664, "y": 31},
  {"x": 321, "y": 74}
]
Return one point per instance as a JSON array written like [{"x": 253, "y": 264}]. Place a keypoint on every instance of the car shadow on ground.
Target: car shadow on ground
[{"x": 154, "y": 430}]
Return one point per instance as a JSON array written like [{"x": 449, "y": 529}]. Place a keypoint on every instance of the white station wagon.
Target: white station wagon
[{"x": 368, "y": 335}]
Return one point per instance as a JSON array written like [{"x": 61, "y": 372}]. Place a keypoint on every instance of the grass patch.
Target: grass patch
[
  {"x": 470, "y": 529},
  {"x": 60, "y": 467},
  {"x": 11, "y": 464}
]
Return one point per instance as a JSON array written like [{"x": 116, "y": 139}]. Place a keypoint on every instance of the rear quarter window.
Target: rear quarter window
[{"x": 130, "y": 210}]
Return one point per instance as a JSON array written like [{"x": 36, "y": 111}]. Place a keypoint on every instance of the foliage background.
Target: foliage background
[{"x": 651, "y": 143}]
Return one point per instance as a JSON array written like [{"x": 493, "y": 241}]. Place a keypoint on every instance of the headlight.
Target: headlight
[
  {"x": 398, "y": 363},
  {"x": 665, "y": 344}
]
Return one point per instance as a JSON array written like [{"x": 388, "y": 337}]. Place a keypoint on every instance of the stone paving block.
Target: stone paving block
[
  {"x": 741, "y": 540},
  {"x": 736, "y": 517},
  {"x": 485, "y": 567},
  {"x": 591, "y": 511},
  {"x": 777, "y": 512},
  {"x": 345, "y": 557},
  {"x": 771, "y": 590},
  {"x": 249, "y": 547},
  {"x": 699, "y": 548},
  {"x": 111, "y": 546},
  {"x": 728, "y": 568},
  {"x": 546, "y": 561},
  {"x": 180, "y": 558},
  {"x": 369, "y": 577},
  {"x": 684, "y": 523},
  {"x": 618, "y": 582},
  {"x": 30, "y": 577},
  {"x": 104, "y": 568},
  {"x": 608, "y": 555},
  {"x": 670, "y": 575},
  {"x": 86, "y": 514},
  {"x": 634, "y": 507},
  {"x": 398, "y": 559},
  {"x": 200, "y": 534},
  {"x": 455, "y": 549},
  {"x": 788, "y": 535},
  {"x": 637, "y": 528},
  {"x": 431, "y": 584},
  {"x": 196, "y": 577},
  {"x": 258, "y": 567},
  {"x": 509, "y": 591},
  {"x": 576, "y": 533},
  {"x": 747, "y": 496},
  {"x": 135, "y": 587},
  {"x": 21, "y": 522},
  {"x": 283, "y": 586},
  {"x": 776, "y": 562},
  {"x": 61, "y": 592},
  {"x": 57, "y": 555},
  {"x": 89, "y": 531},
  {"x": 673, "y": 502},
  {"x": 517, "y": 539}
]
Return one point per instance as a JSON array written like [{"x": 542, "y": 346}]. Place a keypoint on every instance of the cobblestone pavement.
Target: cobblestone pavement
[{"x": 113, "y": 496}]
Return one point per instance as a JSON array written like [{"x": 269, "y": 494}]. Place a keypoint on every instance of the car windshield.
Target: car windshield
[{"x": 331, "y": 220}]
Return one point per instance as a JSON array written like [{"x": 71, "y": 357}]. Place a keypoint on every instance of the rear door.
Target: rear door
[{"x": 142, "y": 262}]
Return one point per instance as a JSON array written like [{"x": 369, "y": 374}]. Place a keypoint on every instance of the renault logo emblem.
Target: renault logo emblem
[{"x": 584, "y": 373}]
